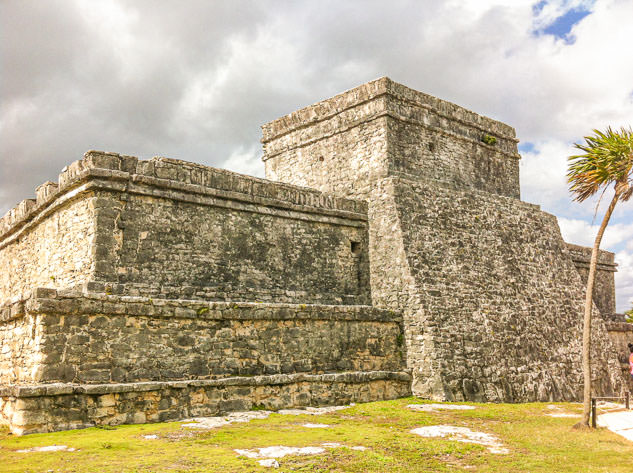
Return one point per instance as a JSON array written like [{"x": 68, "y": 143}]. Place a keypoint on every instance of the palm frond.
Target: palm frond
[{"x": 607, "y": 158}]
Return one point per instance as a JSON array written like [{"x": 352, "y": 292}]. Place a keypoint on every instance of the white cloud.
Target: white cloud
[
  {"x": 543, "y": 172},
  {"x": 582, "y": 232},
  {"x": 624, "y": 280},
  {"x": 246, "y": 161}
]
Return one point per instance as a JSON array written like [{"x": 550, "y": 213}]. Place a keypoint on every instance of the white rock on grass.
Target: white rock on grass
[
  {"x": 433, "y": 407},
  {"x": 270, "y": 454},
  {"x": 558, "y": 412},
  {"x": 279, "y": 451},
  {"x": 246, "y": 416},
  {"x": 316, "y": 426},
  {"x": 313, "y": 411},
  {"x": 50, "y": 448},
  {"x": 213, "y": 422},
  {"x": 150, "y": 437},
  {"x": 331, "y": 445},
  {"x": 463, "y": 434}
]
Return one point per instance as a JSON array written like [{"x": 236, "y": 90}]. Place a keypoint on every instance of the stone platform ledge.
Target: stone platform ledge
[
  {"x": 48, "y": 408},
  {"x": 76, "y": 302}
]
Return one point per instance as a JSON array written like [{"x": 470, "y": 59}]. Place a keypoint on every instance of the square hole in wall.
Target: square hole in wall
[{"x": 355, "y": 247}]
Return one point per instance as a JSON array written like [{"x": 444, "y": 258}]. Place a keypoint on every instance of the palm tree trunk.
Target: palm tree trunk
[{"x": 586, "y": 332}]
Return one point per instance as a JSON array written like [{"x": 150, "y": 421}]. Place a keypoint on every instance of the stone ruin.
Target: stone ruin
[{"x": 388, "y": 253}]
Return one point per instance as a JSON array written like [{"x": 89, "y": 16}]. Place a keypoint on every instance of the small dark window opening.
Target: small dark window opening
[
  {"x": 321, "y": 158},
  {"x": 355, "y": 246},
  {"x": 431, "y": 147}
]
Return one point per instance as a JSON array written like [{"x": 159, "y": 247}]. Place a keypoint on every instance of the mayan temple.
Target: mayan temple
[{"x": 387, "y": 253}]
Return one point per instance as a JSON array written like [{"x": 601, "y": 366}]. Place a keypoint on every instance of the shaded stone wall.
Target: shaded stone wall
[
  {"x": 491, "y": 301},
  {"x": 604, "y": 287},
  {"x": 165, "y": 246}
]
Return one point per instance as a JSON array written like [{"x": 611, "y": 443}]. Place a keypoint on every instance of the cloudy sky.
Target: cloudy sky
[{"x": 194, "y": 80}]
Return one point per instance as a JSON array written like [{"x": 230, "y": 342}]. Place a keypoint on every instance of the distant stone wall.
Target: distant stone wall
[
  {"x": 621, "y": 334},
  {"x": 604, "y": 286}
]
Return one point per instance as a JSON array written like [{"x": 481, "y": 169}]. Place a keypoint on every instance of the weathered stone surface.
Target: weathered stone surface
[
  {"x": 96, "y": 338},
  {"x": 55, "y": 253},
  {"x": 344, "y": 144},
  {"x": 173, "y": 229},
  {"x": 492, "y": 302},
  {"x": 604, "y": 288},
  {"x": 112, "y": 404}
]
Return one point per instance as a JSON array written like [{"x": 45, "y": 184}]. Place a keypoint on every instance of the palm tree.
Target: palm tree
[{"x": 607, "y": 159}]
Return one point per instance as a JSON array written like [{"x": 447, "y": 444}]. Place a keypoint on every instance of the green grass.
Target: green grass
[{"x": 537, "y": 443}]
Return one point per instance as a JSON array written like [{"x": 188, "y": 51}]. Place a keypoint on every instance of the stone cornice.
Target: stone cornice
[
  {"x": 374, "y": 90},
  {"x": 178, "y": 180}
]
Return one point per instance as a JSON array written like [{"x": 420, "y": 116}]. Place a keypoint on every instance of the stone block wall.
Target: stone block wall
[
  {"x": 20, "y": 344},
  {"x": 78, "y": 359},
  {"x": 604, "y": 287},
  {"x": 46, "y": 408},
  {"x": 166, "y": 272},
  {"x": 98, "y": 338},
  {"x": 501, "y": 302}
]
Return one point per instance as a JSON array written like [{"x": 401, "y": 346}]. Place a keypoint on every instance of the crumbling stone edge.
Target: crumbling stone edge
[
  {"x": 57, "y": 389},
  {"x": 54, "y": 407}
]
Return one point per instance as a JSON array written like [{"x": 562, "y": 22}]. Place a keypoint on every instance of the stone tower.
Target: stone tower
[{"x": 491, "y": 299}]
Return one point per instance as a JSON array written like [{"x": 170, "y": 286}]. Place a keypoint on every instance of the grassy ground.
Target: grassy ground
[{"x": 537, "y": 443}]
